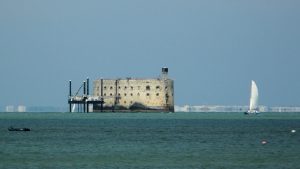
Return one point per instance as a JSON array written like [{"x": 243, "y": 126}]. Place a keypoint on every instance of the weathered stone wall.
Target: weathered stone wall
[{"x": 127, "y": 94}]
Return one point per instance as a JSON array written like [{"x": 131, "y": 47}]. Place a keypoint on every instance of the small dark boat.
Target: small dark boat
[{"x": 18, "y": 129}]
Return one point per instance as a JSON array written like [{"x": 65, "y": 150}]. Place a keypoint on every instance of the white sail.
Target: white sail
[{"x": 253, "y": 108}]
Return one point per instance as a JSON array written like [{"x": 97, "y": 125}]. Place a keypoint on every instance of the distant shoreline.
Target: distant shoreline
[{"x": 185, "y": 108}]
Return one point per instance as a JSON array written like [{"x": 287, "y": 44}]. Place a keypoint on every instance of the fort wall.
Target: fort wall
[{"x": 133, "y": 94}]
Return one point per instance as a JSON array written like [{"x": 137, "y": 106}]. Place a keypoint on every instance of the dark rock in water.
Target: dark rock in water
[
  {"x": 138, "y": 106},
  {"x": 18, "y": 129}
]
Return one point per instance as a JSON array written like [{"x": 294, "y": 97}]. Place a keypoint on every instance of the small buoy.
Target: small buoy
[
  {"x": 293, "y": 131},
  {"x": 264, "y": 142}
]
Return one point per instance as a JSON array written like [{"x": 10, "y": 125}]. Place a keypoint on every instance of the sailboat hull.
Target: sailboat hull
[{"x": 252, "y": 112}]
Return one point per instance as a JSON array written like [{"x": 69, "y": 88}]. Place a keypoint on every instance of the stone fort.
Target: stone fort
[{"x": 134, "y": 94}]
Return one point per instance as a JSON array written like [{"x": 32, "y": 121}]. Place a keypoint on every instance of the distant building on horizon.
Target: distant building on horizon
[
  {"x": 222, "y": 108},
  {"x": 284, "y": 109},
  {"x": 21, "y": 108},
  {"x": 9, "y": 108}
]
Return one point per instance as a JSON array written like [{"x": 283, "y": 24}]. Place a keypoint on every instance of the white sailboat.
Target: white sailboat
[{"x": 253, "y": 107}]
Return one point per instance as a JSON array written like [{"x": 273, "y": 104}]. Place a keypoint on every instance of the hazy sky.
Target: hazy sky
[{"x": 213, "y": 48}]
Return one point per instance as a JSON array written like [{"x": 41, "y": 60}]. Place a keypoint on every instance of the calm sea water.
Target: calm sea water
[{"x": 150, "y": 140}]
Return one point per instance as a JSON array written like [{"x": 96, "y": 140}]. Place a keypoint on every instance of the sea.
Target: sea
[{"x": 150, "y": 141}]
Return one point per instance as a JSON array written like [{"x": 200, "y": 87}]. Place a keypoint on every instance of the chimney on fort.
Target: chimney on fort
[{"x": 164, "y": 73}]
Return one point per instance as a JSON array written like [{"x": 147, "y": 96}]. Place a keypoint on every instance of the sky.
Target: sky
[{"x": 213, "y": 48}]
